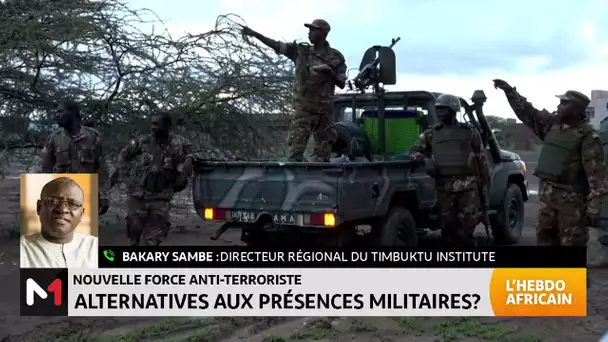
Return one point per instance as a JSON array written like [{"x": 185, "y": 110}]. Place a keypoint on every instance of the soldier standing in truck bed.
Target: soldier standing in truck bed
[
  {"x": 319, "y": 69},
  {"x": 459, "y": 166},
  {"x": 571, "y": 167},
  {"x": 149, "y": 165},
  {"x": 75, "y": 148}
]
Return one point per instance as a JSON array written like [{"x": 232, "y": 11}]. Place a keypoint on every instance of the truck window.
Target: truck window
[{"x": 345, "y": 113}]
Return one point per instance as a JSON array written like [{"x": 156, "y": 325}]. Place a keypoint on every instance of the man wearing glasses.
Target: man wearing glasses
[{"x": 57, "y": 245}]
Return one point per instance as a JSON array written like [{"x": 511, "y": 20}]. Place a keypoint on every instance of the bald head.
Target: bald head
[
  {"x": 60, "y": 209},
  {"x": 61, "y": 183}
]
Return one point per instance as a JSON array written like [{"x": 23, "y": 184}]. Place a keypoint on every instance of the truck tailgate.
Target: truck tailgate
[{"x": 269, "y": 187}]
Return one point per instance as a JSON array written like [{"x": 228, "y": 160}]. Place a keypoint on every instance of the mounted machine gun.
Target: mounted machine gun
[{"x": 378, "y": 66}]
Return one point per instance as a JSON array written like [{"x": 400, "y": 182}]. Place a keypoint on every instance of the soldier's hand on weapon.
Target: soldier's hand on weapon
[
  {"x": 502, "y": 85},
  {"x": 104, "y": 205}
]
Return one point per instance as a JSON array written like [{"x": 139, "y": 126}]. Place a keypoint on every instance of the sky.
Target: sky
[{"x": 542, "y": 47}]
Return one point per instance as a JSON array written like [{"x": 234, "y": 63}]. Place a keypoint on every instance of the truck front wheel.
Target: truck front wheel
[
  {"x": 398, "y": 229},
  {"x": 508, "y": 223}
]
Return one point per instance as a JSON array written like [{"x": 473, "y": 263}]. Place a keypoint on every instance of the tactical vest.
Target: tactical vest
[
  {"x": 75, "y": 154},
  {"x": 155, "y": 171},
  {"x": 560, "y": 158},
  {"x": 451, "y": 151}
]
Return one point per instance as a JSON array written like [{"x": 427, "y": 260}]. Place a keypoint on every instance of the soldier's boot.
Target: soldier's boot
[{"x": 602, "y": 260}]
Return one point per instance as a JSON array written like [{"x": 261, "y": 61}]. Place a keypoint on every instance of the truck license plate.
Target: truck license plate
[
  {"x": 243, "y": 216},
  {"x": 285, "y": 219},
  {"x": 278, "y": 218}
]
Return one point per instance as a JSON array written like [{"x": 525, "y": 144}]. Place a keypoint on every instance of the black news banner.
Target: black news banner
[{"x": 245, "y": 257}]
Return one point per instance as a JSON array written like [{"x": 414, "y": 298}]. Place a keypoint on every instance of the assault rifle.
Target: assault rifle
[
  {"x": 483, "y": 199},
  {"x": 483, "y": 195}
]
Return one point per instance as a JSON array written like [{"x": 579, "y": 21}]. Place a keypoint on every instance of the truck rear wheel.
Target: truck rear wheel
[
  {"x": 398, "y": 229},
  {"x": 508, "y": 223}
]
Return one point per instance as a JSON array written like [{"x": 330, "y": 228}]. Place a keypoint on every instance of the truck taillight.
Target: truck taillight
[
  {"x": 325, "y": 219},
  {"x": 329, "y": 220},
  {"x": 214, "y": 214}
]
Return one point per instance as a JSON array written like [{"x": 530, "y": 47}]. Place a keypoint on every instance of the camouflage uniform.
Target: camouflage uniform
[
  {"x": 148, "y": 208},
  {"x": 458, "y": 197},
  {"x": 602, "y": 228},
  {"x": 82, "y": 153},
  {"x": 570, "y": 198},
  {"x": 313, "y": 95}
]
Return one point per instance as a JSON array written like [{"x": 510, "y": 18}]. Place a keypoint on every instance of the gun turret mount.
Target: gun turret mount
[{"x": 378, "y": 65}]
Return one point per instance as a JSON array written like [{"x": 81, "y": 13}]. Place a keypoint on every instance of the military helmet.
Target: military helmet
[{"x": 449, "y": 101}]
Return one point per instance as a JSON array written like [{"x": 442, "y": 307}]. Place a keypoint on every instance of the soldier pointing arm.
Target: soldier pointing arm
[
  {"x": 319, "y": 29},
  {"x": 539, "y": 121},
  {"x": 571, "y": 167},
  {"x": 319, "y": 69}
]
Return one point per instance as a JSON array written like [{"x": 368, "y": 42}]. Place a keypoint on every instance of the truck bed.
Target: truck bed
[{"x": 295, "y": 192}]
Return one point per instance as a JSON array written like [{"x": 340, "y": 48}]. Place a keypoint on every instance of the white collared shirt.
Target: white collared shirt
[{"x": 81, "y": 252}]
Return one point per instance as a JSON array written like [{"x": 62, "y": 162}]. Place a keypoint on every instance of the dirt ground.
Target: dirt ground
[{"x": 188, "y": 229}]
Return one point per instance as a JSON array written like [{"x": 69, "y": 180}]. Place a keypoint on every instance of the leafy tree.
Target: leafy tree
[{"x": 225, "y": 93}]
